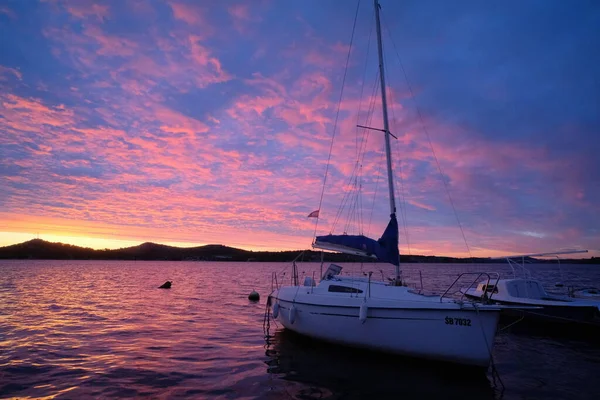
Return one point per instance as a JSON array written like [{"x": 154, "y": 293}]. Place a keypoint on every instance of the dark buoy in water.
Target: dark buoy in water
[
  {"x": 254, "y": 296},
  {"x": 166, "y": 285}
]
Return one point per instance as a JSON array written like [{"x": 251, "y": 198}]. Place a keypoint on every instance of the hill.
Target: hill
[{"x": 38, "y": 249}]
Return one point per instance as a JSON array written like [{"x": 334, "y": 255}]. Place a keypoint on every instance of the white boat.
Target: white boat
[
  {"x": 381, "y": 315},
  {"x": 524, "y": 291},
  {"x": 531, "y": 293},
  {"x": 586, "y": 293},
  {"x": 373, "y": 314}
]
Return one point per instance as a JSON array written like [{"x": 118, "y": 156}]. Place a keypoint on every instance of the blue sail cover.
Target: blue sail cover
[{"x": 385, "y": 249}]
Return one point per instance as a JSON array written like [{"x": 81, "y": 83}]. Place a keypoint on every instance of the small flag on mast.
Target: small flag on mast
[{"x": 314, "y": 214}]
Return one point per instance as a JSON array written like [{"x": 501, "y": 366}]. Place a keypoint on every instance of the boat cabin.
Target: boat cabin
[{"x": 511, "y": 289}]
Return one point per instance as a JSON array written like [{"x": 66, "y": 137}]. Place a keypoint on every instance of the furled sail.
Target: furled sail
[{"x": 385, "y": 249}]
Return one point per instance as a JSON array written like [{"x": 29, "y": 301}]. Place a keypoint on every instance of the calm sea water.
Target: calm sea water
[{"x": 97, "y": 329}]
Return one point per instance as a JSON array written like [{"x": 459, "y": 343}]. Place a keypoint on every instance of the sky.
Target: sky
[{"x": 197, "y": 122}]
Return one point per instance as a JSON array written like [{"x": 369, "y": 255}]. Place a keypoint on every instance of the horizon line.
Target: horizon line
[{"x": 273, "y": 251}]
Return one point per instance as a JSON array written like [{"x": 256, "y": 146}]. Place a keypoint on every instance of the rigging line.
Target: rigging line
[
  {"x": 369, "y": 117},
  {"x": 357, "y": 171},
  {"x": 358, "y": 186},
  {"x": 403, "y": 208},
  {"x": 367, "y": 132},
  {"x": 365, "y": 141},
  {"x": 347, "y": 199},
  {"x": 361, "y": 162},
  {"x": 375, "y": 192},
  {"x": 352, "y": 202},
  {"x": 337, "y": 115},
  {"x": 362, "y": 87},
  {"x": 412, "y": 95},
  {"x": 348, "y": 192},
  {"x": 347, "y": 195},
  {"x": 360, "y": 206},
  {"x": 352, "y": 220},
  {"x": 356, "y": 204},
  {"x": 359, "y": 147},
  {"x": 371, "y": 103},
  {"x": 351, "y": 198},
  {"x": 352, "y": 208}
]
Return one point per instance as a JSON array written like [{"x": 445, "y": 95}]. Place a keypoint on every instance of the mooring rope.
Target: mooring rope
[{"x": 495, "y": 373}]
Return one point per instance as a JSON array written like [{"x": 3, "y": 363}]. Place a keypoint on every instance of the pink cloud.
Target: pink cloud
[
  {"x": 188, "y": 13},
  {"x": 295, "y": 140},
  {"x": 243, "y": 17},
  {"x": 9, "y": 71},
  {"x": 142, "y": 7},
  {"x": 185, "y": 61},
  {"x": 239, "y": 11},
  {"x": 102, "y": 132},
  {"x": 257, "y": 104},
  {"x": 7, "y": 11},
  {"x": 174, "y": 121},
  {"x": 421, "y": 205},
  {"x": 202, "y": 56},
  {"x": 272, "y": 84},
  {"x": 30, "y": 115},
  {"x": 111, "y": 45},
  {"x": 307, "y": 103},
  {"x": 87, "y": 8},
  {"x": 323, "y": 58},
  {"x": 75, "y": 163}
]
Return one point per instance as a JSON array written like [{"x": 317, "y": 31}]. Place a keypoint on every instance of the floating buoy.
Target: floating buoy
[
  {"x": 275, "y": 310},
  {"x": 166, "y": 285},
  {"x": 254, "y": 296},
  {"x": 292, "y": 314},
  {"x": 362, "y": 313}
]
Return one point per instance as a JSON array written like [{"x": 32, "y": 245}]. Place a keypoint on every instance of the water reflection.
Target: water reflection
[
  {"x": 96, "y": 329},
  {"x": 315, "y": 369}
]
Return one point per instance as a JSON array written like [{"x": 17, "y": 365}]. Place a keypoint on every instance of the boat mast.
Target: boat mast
[{"x": 386, "y": 124}]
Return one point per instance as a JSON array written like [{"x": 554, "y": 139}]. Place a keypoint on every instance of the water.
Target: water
[{"x": 98, "y": 329}]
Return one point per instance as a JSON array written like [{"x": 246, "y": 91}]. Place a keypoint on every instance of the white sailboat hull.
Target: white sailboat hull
[{"x": 439, "y": 331}]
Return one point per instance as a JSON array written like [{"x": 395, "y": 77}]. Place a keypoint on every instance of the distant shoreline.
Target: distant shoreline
[{"x": 38, "y": 249}]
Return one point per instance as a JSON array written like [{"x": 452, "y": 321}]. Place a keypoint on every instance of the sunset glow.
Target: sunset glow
[{"x": 193, "y": 122}]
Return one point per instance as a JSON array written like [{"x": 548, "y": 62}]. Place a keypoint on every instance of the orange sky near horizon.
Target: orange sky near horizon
[{"x": 106, "y": 236}]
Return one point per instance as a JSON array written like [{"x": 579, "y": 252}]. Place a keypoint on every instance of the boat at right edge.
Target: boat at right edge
[{"x": 538, "y": 306}]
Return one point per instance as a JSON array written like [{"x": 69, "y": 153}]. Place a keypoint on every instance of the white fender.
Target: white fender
[
  {"x": 292, "y": 314},
  {"x": 275, "y": 310},
  {"x": 362, "y": 313}
]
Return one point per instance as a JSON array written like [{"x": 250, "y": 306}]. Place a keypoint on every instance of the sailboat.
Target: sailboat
[{"x": 385, "y": 315}]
